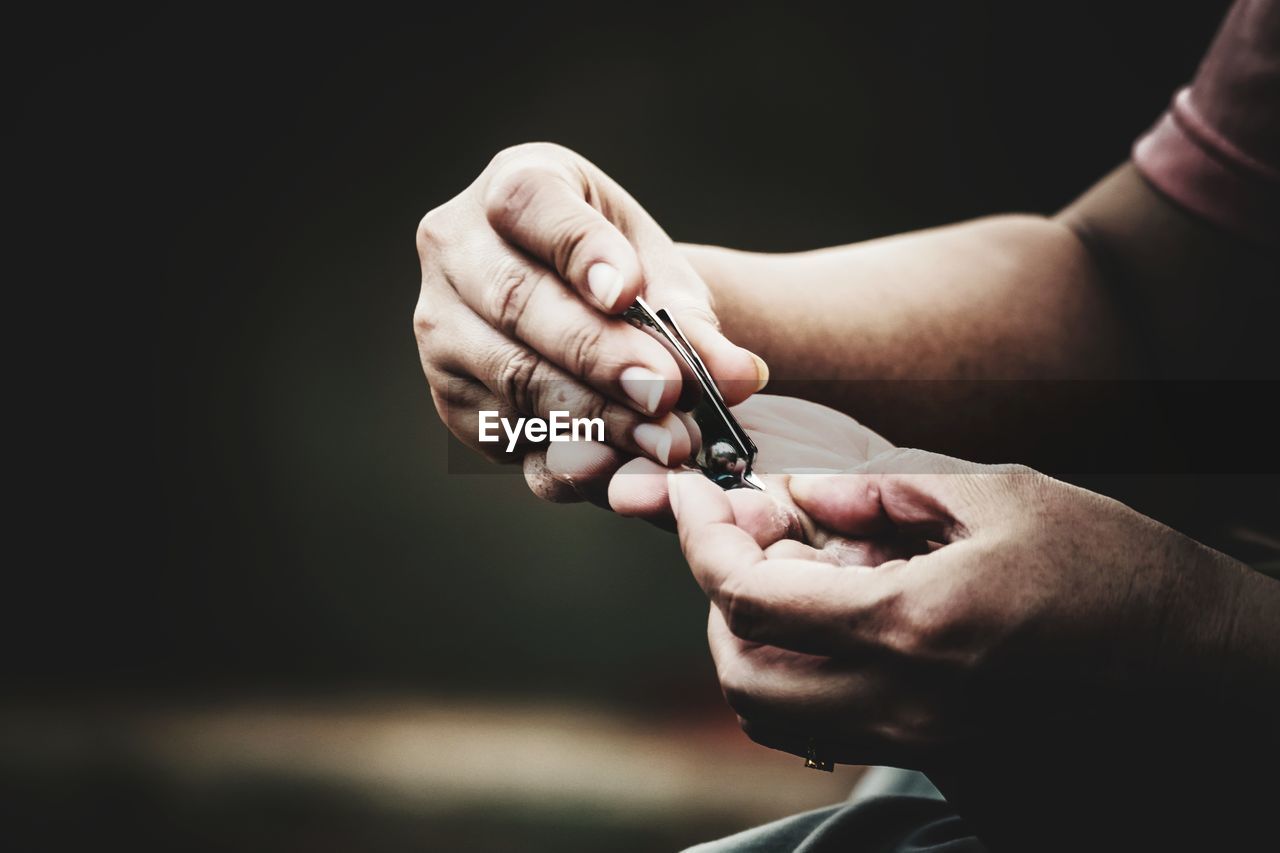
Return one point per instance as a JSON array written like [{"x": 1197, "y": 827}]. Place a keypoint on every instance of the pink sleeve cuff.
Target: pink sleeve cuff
[{"x": 1209, "y": 176}]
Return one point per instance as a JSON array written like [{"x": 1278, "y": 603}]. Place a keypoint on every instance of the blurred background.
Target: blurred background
[{"x": 257, "y": 610}]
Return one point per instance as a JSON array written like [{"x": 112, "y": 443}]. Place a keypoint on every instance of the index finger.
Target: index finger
[{"x": 541, "y": 206}]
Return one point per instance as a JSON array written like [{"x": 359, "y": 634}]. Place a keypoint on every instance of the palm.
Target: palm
[
  {"x": 793, "y": 437},
  {"x": 796, "y": 437}
]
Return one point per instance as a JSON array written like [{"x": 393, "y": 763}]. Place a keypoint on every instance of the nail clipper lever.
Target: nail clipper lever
[{"x": 726, "y": 453}]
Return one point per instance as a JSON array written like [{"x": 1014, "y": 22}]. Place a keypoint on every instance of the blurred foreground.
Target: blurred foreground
[{"x": 389, "y": 773}]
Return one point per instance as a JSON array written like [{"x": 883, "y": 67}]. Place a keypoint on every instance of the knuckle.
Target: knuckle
[
  {"x": 572, "y": 236},
  {"x": 1023, "y": 477},
  {"x": 741, "y": 606},
  {"x": 509, "y": 295},
  {"x": 425, "y": 320},
  {"x": 584, "y": 347},
  {"x": 453, "y": 404},
  {"x": 517, "y": 379},
  {"x": 446, "y": 398},
  {"x": 431, "y": 230},
  {"x": 910, "y": 460},
  {"x": 512, "y": 192},
  {"x": 1001, "y": 483},
  {"x": 527, "y": 150}
]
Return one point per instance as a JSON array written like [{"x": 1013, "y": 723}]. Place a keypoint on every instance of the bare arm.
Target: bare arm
[{"x": 990, "y": 313}]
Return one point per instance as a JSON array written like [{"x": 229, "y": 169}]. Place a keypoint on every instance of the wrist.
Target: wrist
[
  {"x": 1249, "y": 671},
  {"x": 1216, "y": 655}
]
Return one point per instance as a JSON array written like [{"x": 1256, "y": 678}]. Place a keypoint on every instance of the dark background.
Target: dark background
[{"x": 236, "y": 480}]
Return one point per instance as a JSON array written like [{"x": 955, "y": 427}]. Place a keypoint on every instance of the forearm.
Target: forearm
[
  {"x": 1249, "y": 680},
  {"x": 1198, "y": 650},
  {"x": 924, "y": 335}
]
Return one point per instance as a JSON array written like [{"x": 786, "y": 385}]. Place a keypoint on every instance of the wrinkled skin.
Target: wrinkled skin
[
  {"x": 924, "y": 604},
  {"x": 524, "y": 275},
  {"x": 792, "y": 436}
]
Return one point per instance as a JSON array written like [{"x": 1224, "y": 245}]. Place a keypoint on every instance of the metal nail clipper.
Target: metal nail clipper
[{"x": 726, "y": 453}]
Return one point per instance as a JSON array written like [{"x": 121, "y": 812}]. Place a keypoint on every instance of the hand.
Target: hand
[
  {"x": 791, "y": 435},
  {"x": 523, "y": 275},
  {"x": 1029, "y": 606}
]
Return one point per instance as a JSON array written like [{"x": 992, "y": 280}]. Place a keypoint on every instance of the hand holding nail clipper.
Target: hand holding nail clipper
[{"x": 524, "y": 277}]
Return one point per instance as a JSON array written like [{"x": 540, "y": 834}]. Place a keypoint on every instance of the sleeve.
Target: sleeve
[{"x": 1216, "y": 151}]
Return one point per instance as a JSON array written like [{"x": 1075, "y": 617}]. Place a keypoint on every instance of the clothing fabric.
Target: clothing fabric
[
  {"x": 1216, "y": 151},
  {"x": 890, "y": 809}
]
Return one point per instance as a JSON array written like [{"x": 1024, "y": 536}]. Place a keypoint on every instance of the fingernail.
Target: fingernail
[
  {"x": 643, "y": 386},
  {"x": 655, "y": 441},
  {"x": 762, "y": 372},
  {"x": 605, "y": 283},
  {"x": 671, "y": 493}
]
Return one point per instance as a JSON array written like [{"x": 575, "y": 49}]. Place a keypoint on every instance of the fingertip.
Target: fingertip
[
  {"x": 806, "y": 489},
  {"x": 649, "y": 391},
  {"x": 666, "y": 440},
  {"x": 605, "y": 282},
  {"x": 681, "y": 440},
  {"x": 638, "y": 489},
  {"x": 738, "y": 372},
  {"x": 631, "y": 278},
  {"x": 586, "y": 466},
  {"x": 761, "y": 515},
  {"x": 762, "y": 371},
  {"x": 614, "y": 283},
  {"x": 679, "y": 490},
  {"x": 655, "y": 440},
  {"x": 844, "y": 502},
  {"x": 544, "y": 484},
  {"x": 692, "y": 496},
  {"x": 823, "y": 486}
]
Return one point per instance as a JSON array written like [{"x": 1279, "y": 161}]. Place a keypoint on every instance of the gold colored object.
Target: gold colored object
[{"x": 813, "y": 762}]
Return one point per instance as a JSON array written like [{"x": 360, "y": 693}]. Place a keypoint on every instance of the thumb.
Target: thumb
[
  {"x": 926, "y": 494},
  {"x": 738, "y": 372}
]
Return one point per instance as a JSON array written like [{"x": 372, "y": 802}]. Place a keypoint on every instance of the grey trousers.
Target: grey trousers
[{"x": 889, "y": 810}]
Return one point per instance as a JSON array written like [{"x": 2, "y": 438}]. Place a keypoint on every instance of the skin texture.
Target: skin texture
[
  {"x": 791, "y": 434},
  {"x": 1004, "y": 631},
  {"x": 897, "y": 660},
  {"x": 508, "y": 320},
  {"x": 957, "y": 338}
]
